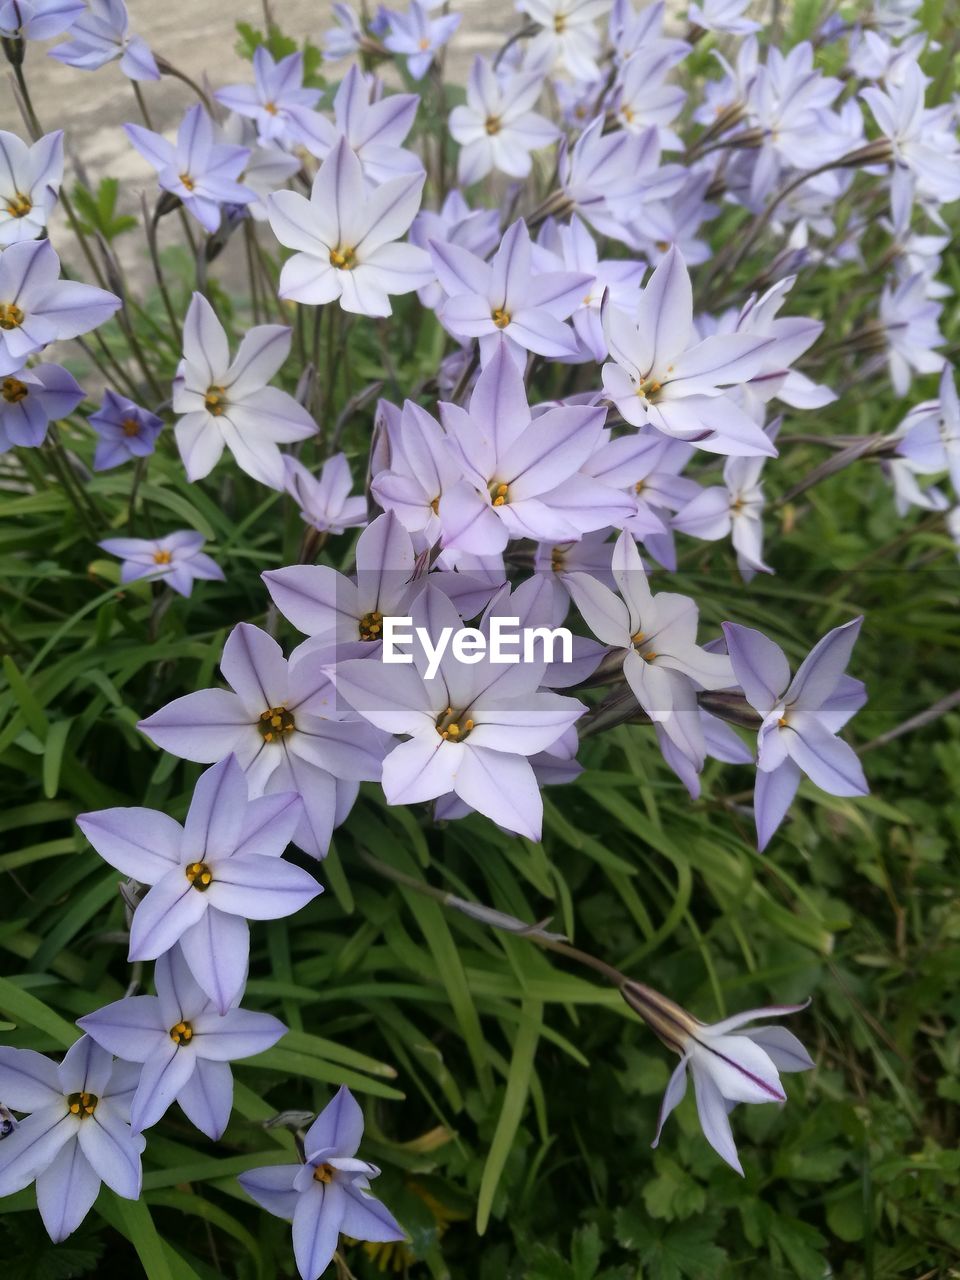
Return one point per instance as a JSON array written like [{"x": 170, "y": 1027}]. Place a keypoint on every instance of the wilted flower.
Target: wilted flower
[
  {"x": 226, "y": 403},
  {"x": 329, "y": 1194},
  {"x": 184, "y": 1044},
  {"x": 202, "y": 172},
  {"x": 30, "y": 178},
  {"x": 801, "y": 718},
  {"x": 347, "y": 238},
  {"x": 76, "y": 1135},
  {"x": 729, "y": 1061},
  {"x": 175, "y": 558},
  {"x": 101, "y": 35},
  {"x": 31, "y": 399},
  {"x": 125, "y": 430},
  {"x": 37, "y": 307},
  {"x": 208, "y": 877}
]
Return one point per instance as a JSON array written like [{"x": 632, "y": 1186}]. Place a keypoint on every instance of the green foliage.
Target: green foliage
[{"x": 98, "y": 210}]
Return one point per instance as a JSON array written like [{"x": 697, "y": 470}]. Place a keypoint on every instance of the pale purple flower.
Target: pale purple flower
[
  {"x": 470, "y": 729},
  {"x": 663, "y": 376},
  {"x": 202, "y": 172},
  {"x": 576, "y": 250},
  {"x": 423, "y": 466},
  {"x": 125, "y": 429},
  {"x": 268, "y": 168},
  {"x": 801, "y": 718},
  {"x": 417, "y": 36},
  {"x": 277, "y": 718},
  {"x": 277, "y": 102},
  {"x": 208, "y": 877},
  {"x": 568, "y": 34},
  {"x": 37, "y": 307},
  {"x": 344, "y": 39},
  {"x": 733, "y": 510},
  {"x": 347, "y": 238},
  {"x": 31, "y": 399},
  {"x": 929, "y": 437},
  {"x": 497, "y": 127},
  {"x": 101, "y": 35},
  {"x": 721, "y": 742},
  {"x": 643, "y": 98},
  {"x": 30, "y": 178},
  {"x": 185, "y": 1045},
  {"x": 77, "y": 1133},
  {"x": 609, "y": 177},
  {"x": 657, "y": 636},
  {"x": 506, "y": 297},
  {"x": 911, "y": 324},
  {"x": 923, "y": 140},
  {"x": 228, "y": 403},
  {"x": 677, "y": 221},
  {"x": 336, "y": 611},
  {"x": 523, "y": 475},
  {"x": 325, "y": 502},
  {"x": 476, "y": 230},
  {"x": 175, "y": 559},
  {"x": 729, "y": 1061},
  {"x": 375, "y": 130},
  {"x": 37, "y": 19},
  {"x": 722, "y": 15},
  {"x": 329, "y": 1194}
]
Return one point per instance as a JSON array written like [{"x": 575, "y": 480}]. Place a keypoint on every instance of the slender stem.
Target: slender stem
[
  {"x": 919, "y": 721},
  {"x": 141, "y": 103}
]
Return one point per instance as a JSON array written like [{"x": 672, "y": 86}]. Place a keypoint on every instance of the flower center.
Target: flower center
[
  {"x": 501, "y": 318},
  {"x": 662, "y": 245},
  {"x": 450, "y": 728},
  {"x": 324, "y": 1172},
  {"x": 215, "y": 401},
  {"x": 199, "y": 875},
  {"x": 493, "y": 125},
  {"x": 130, "y": 427},
  {"x": 19, "y": 205},
  {"x": 499, "y": 494},
  {"x": 560, "y": 23},
  {"x": 558, "y": 559},
  {"x": 344, "y": 258},
  {"x": 627, "y": 113},
  {"x": 275, "y": 722},
  {"x": 638, "y": 640},
  {"x": 649, "y": 388},
  {"x": 435, "y": 505},
  {"x": 13, "y": 390},
  {"x": 11, "y": 317},
  {"x": 162, "y": 557},
  {"x": 270, "y": 108},
  {"x": 182, "y": 1033},
  {"x": 187, "y": 181},
  {"x": 424, "y": 44},
  {"x": 82, "y": 1104},
  {"x": 371, "y": 626}
]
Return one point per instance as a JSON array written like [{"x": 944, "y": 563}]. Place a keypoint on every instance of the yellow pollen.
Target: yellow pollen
[
  {"x": 343, "y": 258},
  {"x": 783, "y": 722},
  {"x": 130, "y": 427},
  {"x": 324, "y": 1173},
  {"x": 162, "y": 557},
  {"x": 182, "y": 1033},
  {"x": 275, "y": 722},
  {"x": 627, "y": 113},
  {"x": 639, "y": 486},
  {"x": 501, "y": 318},
  {"x": 215, "y": 401},
  {"x": 199, "y": 875},
  {"x": 187, "y": 181},
  {"x": 19, "y": 205},
  {"x": 662, "y": 245},
  {"x": 13, "y": 390},
  {"x": 493, "y": 125},
  {"x": 270, "y": 108},
  {"x": 82, "y": 1104},
  {"x": 435, "y": 505},
  {"x": 450, "y": 728},
  {"x": 637, "y": 638},
  {"x": 560, "y": 23},
  {"x": 500, "y": 494},
  {"x": 11, "y": 317},
  {"x": 371, "y": 624},
  {"x": 424, "y": 44}
]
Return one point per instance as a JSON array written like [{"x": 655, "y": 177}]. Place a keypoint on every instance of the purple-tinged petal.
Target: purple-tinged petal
[
  {"x": 239, "y": 1033},
  {"x": 338, "y": 1128},
  {"x": 66, "y": 1190},
  {"x": 272, "y": 1187},
  {"x": 714, "y": 1119},
  {"x": 254, "y": 665},
  {"x": 260, "y": 888},
  {"x": 164, "y": 1075},
  {"x": 207, "y": 1098},
  {"x": 365, "y": 1218},
  {"x": 819, "y": 673},
  {"x": 141, "y": 843},
  {"x": 132, "y": 1028},
  {"x": 316, "y": 1227},
  {"x": 782, "y": 1048},
  {"x": 28, "y": 1080},
  {"x": 827, "y": 760},
  {"x": 676, "y": 1088},
  {"x": 164, "y": 915},
  {"x": 268, "y": 825},
  {"x": 759, "y": 665},
  {"x": 215, "y": 818},
  {"x": 503, "y": 788},
  {"x": 113, "y": 1151},
  {"x": 204, "y": 726},
  {"x": 85, "y": 1068},
  {"x": 217, "y": 949},
  {"x": 33, "y": 1145},
  {"x": 772, "y": 797}
]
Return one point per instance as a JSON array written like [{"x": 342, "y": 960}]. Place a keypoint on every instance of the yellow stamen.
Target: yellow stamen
[
  {"x": 19, "y": 205},
  {"x": 493, "y": 125},
  {"x": 162, "y": 557},
  {"x": 324, "y": 1172},
  {"x": 343, "y": 258},
  {"x": 275, "y": 722},
  {"x": 371, "y": 625},
  {"x": 199, "y": 875},
  {"x": 450, "y": 728},
  {"x": 11, "y": 317},
  {"x": 499, "y": 493},
  {"x": 13, "y": 390},
  {"x": 215, "y": 401},
  {"x": 82, "y": 1105},
  {"x": 187, "y": 181},
  {"x": 130, "y": 427},
  {"x": 270, "y": 108},
  {"x": 501, "y": 318},
  {"x": 182, "y": 1033}
]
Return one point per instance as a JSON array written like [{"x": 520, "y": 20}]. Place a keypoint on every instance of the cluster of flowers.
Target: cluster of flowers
[{"x": 593, "y": 276}]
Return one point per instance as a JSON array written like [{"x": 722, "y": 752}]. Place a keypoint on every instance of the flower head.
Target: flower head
[
  {"x": 31, "y": 399},
  {"x": 418, "y": 36},
  {"x": 30, "y": 178},
  {"x": 497, "y": 127},
  {"x": 125, "y": 430},
  {"x": 325, "y": 503},
  {"x": 175, "y": 558},
  {"x": 101, "y": 35},
  {"x": 37, "y": 19},
  {"x": 278, "y": 103}
]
